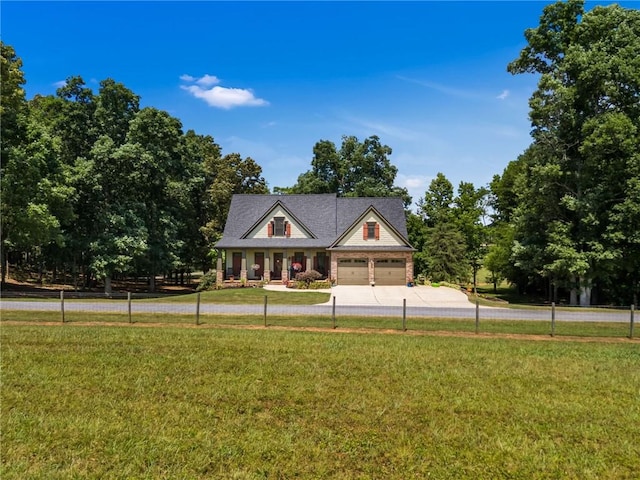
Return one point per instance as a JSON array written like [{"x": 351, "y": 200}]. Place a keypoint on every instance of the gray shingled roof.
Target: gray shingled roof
[{"x": 325, "y": 216}]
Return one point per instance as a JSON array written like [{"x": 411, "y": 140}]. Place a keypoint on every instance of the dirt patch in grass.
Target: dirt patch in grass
[{"x": 376, "y": 331}]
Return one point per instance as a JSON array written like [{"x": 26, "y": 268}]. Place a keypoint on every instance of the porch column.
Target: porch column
[
  {"x": 285, "y": 269},
  {"x": 372, "y": 270},
  {"x": 243, "y": 267},
  {"x": 219, "y": 270},
  {"x": 306, "y": 264},
  {"x": 267, "y": 269},
  {"x": 409, "y": 268},
  {"x": 333, "y": 267}
]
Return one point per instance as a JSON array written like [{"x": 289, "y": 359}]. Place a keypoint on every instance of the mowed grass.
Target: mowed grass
[
  {"x": 105, "y": 402},
  {"x": 245, "y": 296}
]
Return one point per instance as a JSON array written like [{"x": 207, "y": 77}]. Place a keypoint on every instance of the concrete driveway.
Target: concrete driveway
[{"x": 419, "y": 296}]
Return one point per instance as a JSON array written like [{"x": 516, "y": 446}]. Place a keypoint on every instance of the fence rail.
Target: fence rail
[{"x": 129, "y": 308}]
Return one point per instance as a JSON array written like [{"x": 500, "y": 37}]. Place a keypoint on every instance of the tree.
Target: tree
[
  {"x": 230, "y": 175},
  {"x": 13, "y": 103},
  {"x": 200, "y": 151},
  {"x": 449, "y": 217},
  {"x": 116, "y": 106},
  {"x": 585, "y": 115},
  {"x": 470, "y": 212},
  {"x": 12, "y": 110},
  {"x": 445, "y": 254},
  {"x": 358, "y": 169},
  {"x": 436, "y": 206}
]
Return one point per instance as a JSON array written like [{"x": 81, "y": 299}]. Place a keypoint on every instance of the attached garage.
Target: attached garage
[
  {"x": 390, "y": 271},
  {"x": 353, "y": 271}
]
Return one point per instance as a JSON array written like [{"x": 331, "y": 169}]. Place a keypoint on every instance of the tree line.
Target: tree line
[{"x": 93, "y": 184}]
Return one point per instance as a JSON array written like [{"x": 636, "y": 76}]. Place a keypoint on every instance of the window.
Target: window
[
  {"x": 278, "y": 226},
  {"x": 371, "y": 231}
]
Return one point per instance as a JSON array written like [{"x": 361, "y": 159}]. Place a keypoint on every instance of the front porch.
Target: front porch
[{"x": 269, "y": 266}]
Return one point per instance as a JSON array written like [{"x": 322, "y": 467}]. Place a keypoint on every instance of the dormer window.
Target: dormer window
[
  {"x": 371, "y": 231},
  {"x": 279, "y": 227}
]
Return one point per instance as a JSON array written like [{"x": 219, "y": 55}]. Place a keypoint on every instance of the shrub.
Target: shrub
[
  {"x": 207, "y": 282},
  {"x": 308, "y": 276}
]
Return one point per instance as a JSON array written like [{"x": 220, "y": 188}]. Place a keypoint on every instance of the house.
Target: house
[{"x": 352, "y": 241}]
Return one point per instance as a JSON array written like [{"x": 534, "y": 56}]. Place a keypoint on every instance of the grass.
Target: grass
[
  {"x": 91, "y": 402},
  {"x": 238, "y": 296}
]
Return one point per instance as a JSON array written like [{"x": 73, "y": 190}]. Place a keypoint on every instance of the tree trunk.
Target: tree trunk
[
  {"x": 4, "y": 264},
  {"x": 585, "y": 292},
  {"x": 107, "y": 285},
  {"x": 573, "y": 294},
  {"x": 475, "y": 276}
]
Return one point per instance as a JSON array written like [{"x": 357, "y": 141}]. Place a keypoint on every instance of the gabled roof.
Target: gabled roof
[
  {"x": 357, "y": 224},
  {"x": 325, "y": 216},
  {"x": 269, "y": 212}
]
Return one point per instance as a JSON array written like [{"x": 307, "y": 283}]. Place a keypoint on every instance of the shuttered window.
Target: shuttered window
[{"x": 371, "y": 231}]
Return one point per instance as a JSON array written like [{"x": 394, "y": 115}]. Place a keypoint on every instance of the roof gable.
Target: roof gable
[
  {"x": 389, "y": 235},
  {"x": 259, "y": 229}
]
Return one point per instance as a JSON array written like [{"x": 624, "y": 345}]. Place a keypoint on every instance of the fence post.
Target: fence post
[
  {"x": 333, "y": 312},
  {"x": 404, "y": 314},
  {"x": 265, "y": 310},
  {"x": 62, "y": 304},
  {"x": 553, "y": 319},
  {"x": 631, "y": 321},
  {"x": 129, "y": 306},
  {"x": 477, "y": 316},
  {"x": 198, "y": 309}
]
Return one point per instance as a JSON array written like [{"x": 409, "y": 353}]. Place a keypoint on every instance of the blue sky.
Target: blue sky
[{"x": 268, "y": 80}]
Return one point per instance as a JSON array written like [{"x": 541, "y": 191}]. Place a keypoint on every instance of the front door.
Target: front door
[
  {"x": 260, "y": 262},
  {"x": 237, "y": 264},
  {"x": 277, "y": 266}
]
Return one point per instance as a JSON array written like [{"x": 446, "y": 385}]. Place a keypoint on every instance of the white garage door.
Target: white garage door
[
  {"x": 353, "y": 271},
  {"x": 390, "y": 271}
]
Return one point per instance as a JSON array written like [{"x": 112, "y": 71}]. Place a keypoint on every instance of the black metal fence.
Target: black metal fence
[{"x": 130, "y": 308}]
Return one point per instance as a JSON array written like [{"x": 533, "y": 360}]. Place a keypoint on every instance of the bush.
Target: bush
[
  {"x": 207, "y": 282},
  {"x": 308, "y": 276}
]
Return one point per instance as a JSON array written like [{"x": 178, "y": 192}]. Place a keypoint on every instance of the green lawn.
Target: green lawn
[
  {"x": 98, "y": 402},
  {"x": 250, "y": 296}
]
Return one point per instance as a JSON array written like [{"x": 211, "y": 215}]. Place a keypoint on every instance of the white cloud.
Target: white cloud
[
  {"x": 503, "y": 95},
  {"x": 208, "y": 80},
  {"x": 60, "y": 84},
  {"x": 220, "y": 97}
]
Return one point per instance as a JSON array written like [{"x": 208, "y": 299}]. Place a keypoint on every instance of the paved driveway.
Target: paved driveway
[
  {"x": 422, "y": 296},
  {"x": 419, "y": 296}
]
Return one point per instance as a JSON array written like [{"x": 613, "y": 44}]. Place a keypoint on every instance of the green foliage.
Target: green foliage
[
  {"x": 358, "y": 169},
  {"x": 92, "y": 181},
  {"x": 207, "y": 282},
  {"x": 308, "y": 276},
  {"x": 445, "y": 253},
  {"x": 581, "y": 167}
]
